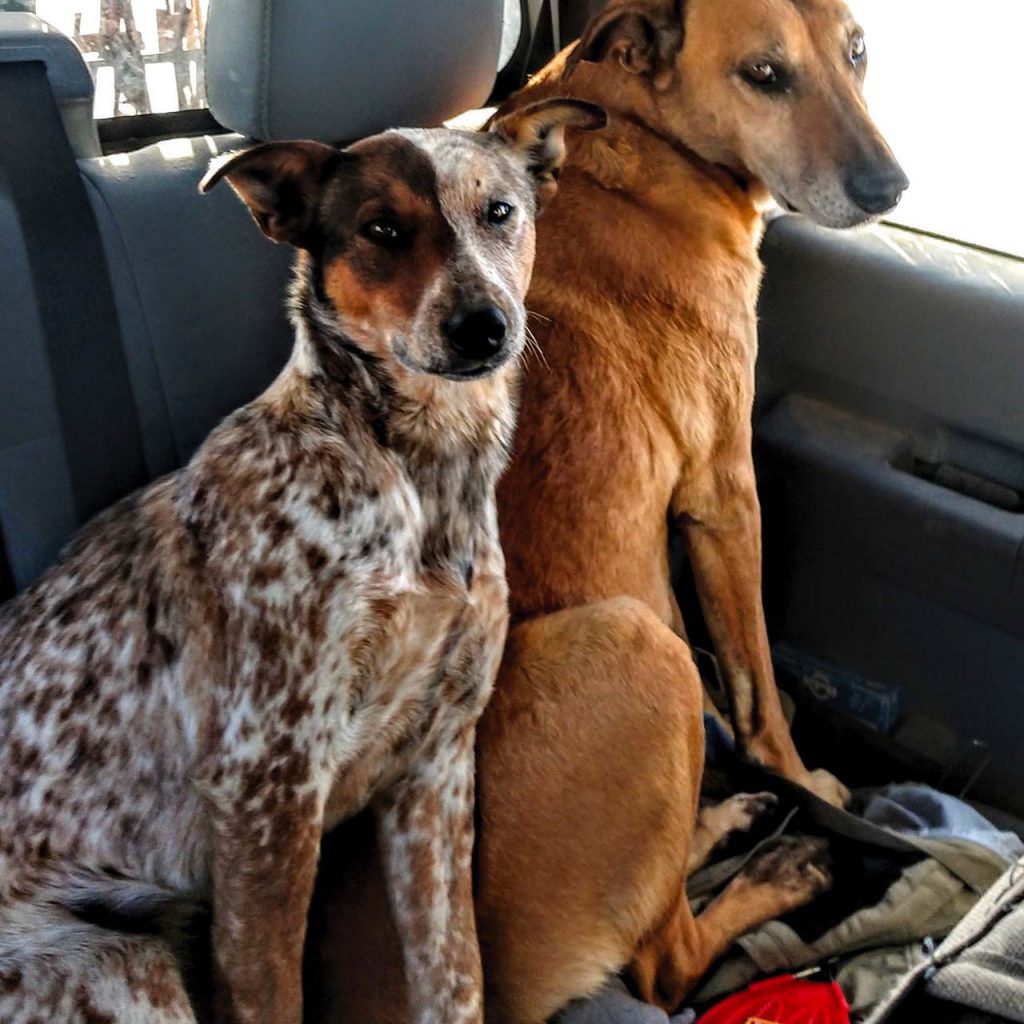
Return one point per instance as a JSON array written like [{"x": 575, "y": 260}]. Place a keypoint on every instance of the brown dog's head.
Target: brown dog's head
[
  {"x": 770, "y": 89},
  {"x": 420, "y": 242}
]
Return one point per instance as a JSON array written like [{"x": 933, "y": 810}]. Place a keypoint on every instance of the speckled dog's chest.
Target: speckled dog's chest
[{"x": 398, "y": 682}]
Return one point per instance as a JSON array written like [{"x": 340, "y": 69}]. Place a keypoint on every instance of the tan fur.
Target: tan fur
[
  {"x": 587, "y": 803},
  {"x": 648, "y": 327},
  {"x": 635, "y": 420}
]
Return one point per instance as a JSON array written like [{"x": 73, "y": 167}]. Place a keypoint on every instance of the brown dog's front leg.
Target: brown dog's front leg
[
  {"x": 264, "y": 865},
  {"x": 426, "y": 838},
  {"x": 724, "y": 542}
]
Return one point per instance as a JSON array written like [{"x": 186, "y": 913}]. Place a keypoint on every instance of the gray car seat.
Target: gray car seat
[{"x": 198, "y": 293}]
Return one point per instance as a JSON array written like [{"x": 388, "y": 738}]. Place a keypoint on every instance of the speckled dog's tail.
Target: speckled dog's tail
[
  {"x": 62, "y": 914},
  {"x": 97, "y": 956}
]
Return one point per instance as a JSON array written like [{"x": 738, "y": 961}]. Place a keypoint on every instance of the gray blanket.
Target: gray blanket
[{"x": 981, "y": 964}]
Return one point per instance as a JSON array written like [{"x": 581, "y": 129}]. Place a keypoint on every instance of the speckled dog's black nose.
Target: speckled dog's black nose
[{"x": 477, "y": 334}]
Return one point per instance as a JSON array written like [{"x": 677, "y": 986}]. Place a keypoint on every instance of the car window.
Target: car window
[
  {"x": 145, "y": 56},
  {"x": 944, "y": 85}
]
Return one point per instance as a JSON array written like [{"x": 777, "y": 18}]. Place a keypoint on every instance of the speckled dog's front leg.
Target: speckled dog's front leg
[
  {"x": 426, "y": 837},
  {"x": 263, "y": 872}
]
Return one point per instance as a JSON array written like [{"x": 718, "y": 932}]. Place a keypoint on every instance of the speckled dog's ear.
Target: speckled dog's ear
[
  {"x": 280, "y": 182},
  {"x": 538, "y": 132}
]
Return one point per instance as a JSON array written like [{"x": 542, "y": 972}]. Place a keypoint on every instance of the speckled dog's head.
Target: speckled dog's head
[{"x": 420, "y": 242}]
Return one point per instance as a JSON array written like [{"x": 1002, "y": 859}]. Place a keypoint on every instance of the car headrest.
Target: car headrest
[
  {"x": 337, "y": 70},
  {"x": 24, "y": 37}
]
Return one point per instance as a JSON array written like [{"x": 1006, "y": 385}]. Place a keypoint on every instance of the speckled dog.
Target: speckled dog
[{"x": 305, "y": 620}]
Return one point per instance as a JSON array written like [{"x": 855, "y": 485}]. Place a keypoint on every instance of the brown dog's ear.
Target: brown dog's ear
[
  {"x": 538, "y": 131},
  {"x": 645, "y": 37},
  {"x": 280, "y": 182}
]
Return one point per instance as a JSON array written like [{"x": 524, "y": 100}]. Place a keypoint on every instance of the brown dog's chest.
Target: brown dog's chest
[
  {"x": 661, "y": 331},
  {"x": 647, "y": 323}
]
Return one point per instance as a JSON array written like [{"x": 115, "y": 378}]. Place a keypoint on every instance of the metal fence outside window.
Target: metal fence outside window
[{"x": 146, "y": 56}]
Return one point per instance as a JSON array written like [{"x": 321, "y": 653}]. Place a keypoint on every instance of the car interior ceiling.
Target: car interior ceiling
[{"x": 888, "y": 433}]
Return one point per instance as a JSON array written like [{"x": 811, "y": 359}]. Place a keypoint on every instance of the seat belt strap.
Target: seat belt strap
[
  {"x": 95, "y": 404},
  {"x": 6, "y": 573},
  {"x": 555, "y": 7}
]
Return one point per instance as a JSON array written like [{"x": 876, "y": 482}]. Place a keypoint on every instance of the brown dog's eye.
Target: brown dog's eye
[
  {"x": 858, "y": 48},
  {"x": 498, "y": 212},
  {"x": 766, "y": 76},
  {"x": 382, "y": 232}
]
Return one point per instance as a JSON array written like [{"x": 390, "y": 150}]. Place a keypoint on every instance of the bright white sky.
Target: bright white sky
[{"x": 946, "y": 84}]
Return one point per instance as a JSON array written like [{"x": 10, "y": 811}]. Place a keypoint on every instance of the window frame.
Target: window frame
[{"x": 128, "y": 132}]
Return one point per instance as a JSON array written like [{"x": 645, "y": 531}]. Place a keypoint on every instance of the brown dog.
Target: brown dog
[
  {"x": 304, "y": 621},
  {"x": 645, "y": 291},
  {"x": 638, "y": 418}
]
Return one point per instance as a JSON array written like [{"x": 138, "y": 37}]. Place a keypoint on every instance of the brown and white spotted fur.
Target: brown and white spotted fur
[{"x": 304, "y": 621}]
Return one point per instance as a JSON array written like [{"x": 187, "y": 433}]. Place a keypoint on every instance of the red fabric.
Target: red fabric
[{"x": 783, "y": 1000}]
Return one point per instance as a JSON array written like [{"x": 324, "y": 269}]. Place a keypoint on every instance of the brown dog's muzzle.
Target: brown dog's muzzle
[
  {"x": 874, "y": 181},
  {"x": 876, "y": 188}
]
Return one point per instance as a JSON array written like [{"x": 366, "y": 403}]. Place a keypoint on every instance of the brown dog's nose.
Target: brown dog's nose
[
  {"x": 477, "y": 334},
  {"x": 876, "y": 188}
]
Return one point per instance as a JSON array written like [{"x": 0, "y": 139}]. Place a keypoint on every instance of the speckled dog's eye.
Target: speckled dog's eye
[
  {"x": 498, "y": 212},
  {"x": 382, "y": 231},
  {"x": 858, "y": 48}
]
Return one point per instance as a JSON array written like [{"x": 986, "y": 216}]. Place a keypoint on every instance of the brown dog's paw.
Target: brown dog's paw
[
  {"x": 825, "y": 785},
  {"x": 750, "y": 807},
  {"x": 787, "y": 874},
  {"x": 737, "y": 814},
  {"x": 790, "y": 872}
]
